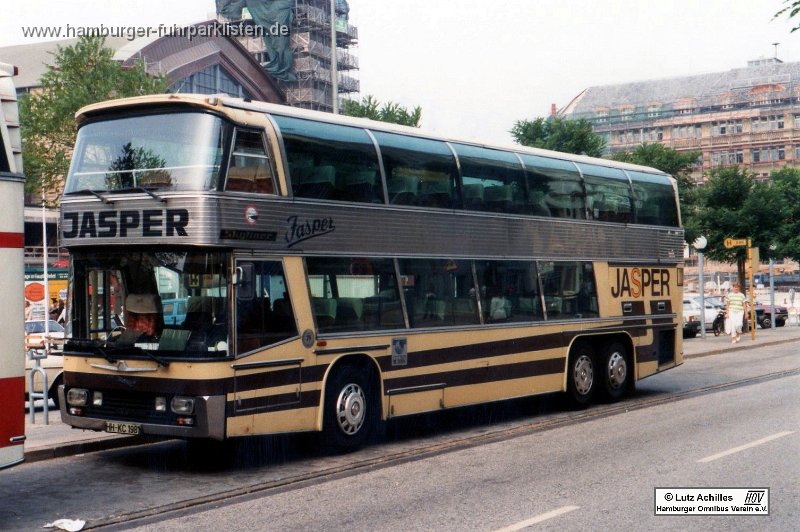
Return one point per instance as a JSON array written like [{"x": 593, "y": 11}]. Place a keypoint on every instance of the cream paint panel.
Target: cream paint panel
[
  {"x": 646, "y": 368},
  {"x": 412, "y": 403},
  {"x": 301, "y": 419},
  {"x": 176, "y": 370},
  {"x": 12, "y": 314},
  {"x": 479, "y": 393},
  {"x": 264, "y": 392}
]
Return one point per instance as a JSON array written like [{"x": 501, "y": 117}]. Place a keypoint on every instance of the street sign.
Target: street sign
[{"x": 735, "y": 242}]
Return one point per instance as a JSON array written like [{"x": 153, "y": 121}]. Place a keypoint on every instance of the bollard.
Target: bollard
[{"x": 32, "y": 394}]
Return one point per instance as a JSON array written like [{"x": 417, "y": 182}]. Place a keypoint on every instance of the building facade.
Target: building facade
[{"x": 746, "y": 116}]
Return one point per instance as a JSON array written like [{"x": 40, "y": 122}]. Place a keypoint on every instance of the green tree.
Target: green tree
[
  {"x": 732, "y": 204},
  {"x": 559, "y": 134},
  {"x": 678, "y": 164},
  {"x": 81, "y": 74},
  {"x": 371, "y": 108},
  {"x": 787, "y": 237},
  {"x": 791, "y": 10}
]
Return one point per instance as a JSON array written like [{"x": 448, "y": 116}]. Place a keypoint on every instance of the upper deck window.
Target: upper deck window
[
  {"x": 654, "y": 199},
  {"x": 327, "y": 161},
  {"x": 418, "y": 171},
  {"x": 492, "y": 180},
  {"x": 554, "y": 186},
  {"x": 608, "y": 193},
  {"x": 171, "y": 151}
]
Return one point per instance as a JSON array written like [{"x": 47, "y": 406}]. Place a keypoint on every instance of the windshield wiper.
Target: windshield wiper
[
  {"x": 104, "y": 199},
  {"x": 150, "y": 193},
  {"x": 160, "y": 361}
]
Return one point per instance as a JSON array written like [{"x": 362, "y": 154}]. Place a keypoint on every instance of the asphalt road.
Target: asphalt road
[{"x": 476, "y": 469}]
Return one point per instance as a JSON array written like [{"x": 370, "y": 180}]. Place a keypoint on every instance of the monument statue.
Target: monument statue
[{"x": 275, "y": 17}]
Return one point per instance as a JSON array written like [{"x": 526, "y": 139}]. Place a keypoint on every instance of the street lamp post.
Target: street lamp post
[
  {"x": 700, "y": 244},
  {"x": 772, "y": 248}
]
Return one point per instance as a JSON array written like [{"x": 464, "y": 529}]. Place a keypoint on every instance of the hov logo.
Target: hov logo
[{"x": 754, "y": 497}]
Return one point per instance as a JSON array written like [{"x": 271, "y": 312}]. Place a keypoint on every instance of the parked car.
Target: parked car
[
  {"x": 765, "y": 315},
  {"x": 712, "y": 307},
  {"x": 691, "y": 321},
  {"x": 34, "y": 335},
  {"x": 53, "y": 364}
]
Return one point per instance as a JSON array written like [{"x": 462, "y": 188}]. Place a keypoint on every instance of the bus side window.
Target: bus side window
[
  {"x": 439, "y": 293},
  {"x": 267, "y": 317},
  {"x": 249, "y": 170},
  {"x": 354, "y": 294},
  {"x": 655, "y": 199},
  {"x": 492, "y": 180},
  {"x": 329, "y": 161},
  {"x": 569, "y": 290},
  {"x": 418, "y": 171},
  {"x": 608, "y": 193},
  {"x": 554, "y": 187}
]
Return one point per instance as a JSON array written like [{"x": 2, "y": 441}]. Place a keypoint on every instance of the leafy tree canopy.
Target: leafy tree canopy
[
  {"x": 81, "y": 74},
  {"x": 791, "y": 10},
  {"x": 732, "y": 204},
  {"x": 371, "y": 108},
  {"x": 559, "y": 134}
]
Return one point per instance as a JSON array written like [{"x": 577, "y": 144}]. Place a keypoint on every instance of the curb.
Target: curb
[
  {"x": 740, "y": 347},
  {"x": 90, "y": 446}
]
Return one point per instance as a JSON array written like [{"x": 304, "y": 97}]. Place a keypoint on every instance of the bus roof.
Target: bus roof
[{"x": 219, "y": 102}]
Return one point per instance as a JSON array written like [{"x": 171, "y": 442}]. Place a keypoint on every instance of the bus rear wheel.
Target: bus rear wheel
[
  {"x": 351, "y": 408},
  {"x": 616, "y": 371},
  {"x": 582, "y": 375}
]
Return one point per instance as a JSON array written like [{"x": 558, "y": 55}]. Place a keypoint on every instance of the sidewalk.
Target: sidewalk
[
  {"x": 712, "y": 345},
  {"x": 57, "y": 439}
]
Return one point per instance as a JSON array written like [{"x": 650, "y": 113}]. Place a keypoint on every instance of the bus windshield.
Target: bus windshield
[
  {"x": 169, "y": 303},
  {"x": 170, "y": 151}
]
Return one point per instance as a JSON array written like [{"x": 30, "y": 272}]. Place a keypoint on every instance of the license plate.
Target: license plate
[{"x": 123, "y": 428}]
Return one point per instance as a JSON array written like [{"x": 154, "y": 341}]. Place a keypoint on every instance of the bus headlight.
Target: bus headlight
[
  {"x": 182, "y": 405},
  {"x": 77, "y": 397}
]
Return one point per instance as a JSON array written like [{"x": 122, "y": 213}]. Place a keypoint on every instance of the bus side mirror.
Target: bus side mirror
[{"x": 243, "y": 280}]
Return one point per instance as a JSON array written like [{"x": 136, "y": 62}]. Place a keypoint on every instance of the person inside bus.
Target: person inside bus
[
  {"x": 499, "y": 307},
  {"x": 142, "y": 319}
]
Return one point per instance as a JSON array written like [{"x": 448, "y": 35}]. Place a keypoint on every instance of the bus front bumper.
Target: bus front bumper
[{"x": 209, "y": 416}]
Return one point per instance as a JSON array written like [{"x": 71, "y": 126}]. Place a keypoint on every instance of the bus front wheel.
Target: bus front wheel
[
  {"x": 582, "y": 376},
  {"x": 351, "y": 408}
]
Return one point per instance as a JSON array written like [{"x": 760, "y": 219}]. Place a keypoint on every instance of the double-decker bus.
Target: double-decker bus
[
  {"x": 240, "y": 268},
  {"x": 12, "y": 243}
]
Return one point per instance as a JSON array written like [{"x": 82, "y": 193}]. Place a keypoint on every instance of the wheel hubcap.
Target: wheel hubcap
[
  {"x": 617, "y": 370},
  {"x": 351, "y": 408},
  {"x": 584, "y": 375}
]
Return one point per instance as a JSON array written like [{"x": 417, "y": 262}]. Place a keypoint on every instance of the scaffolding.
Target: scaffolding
[{"x": 311, "y": 47}]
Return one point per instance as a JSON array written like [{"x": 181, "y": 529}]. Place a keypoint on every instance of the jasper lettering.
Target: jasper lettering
[
  {"x": 300, "y": 230},
  {"x": 641, "y": 282},
  {"x": 145, "y": 223}
]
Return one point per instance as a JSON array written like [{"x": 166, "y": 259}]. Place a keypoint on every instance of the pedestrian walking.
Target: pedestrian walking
[{"x": 734, "y": 313}]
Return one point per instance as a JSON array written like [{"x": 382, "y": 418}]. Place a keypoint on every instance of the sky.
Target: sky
[{"x": 475, "y": 67}]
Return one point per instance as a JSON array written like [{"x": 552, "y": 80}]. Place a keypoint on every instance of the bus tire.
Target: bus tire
[
  {"x": 582, "y": 376},
  {"x": 616, "y": 371},
  {"x": 351, "y": 408}
]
